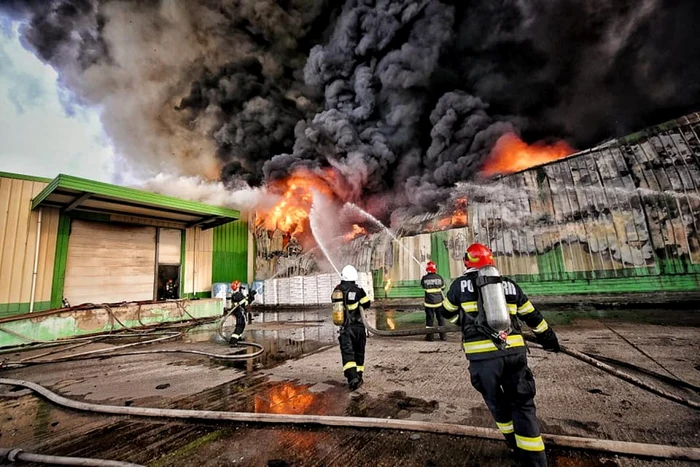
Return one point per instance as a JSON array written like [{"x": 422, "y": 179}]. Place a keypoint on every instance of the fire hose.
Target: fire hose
[
  {"x": 14, "y": 455},
  {"x": 571, "y": 352},
  {"x": 113, "y": 351},
  {"x": 575, "y": 442}
]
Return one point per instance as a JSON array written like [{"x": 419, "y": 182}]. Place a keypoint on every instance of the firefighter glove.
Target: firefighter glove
[
  {"x": 251, "y": 296},
  {"x": 548, "y": 340}
]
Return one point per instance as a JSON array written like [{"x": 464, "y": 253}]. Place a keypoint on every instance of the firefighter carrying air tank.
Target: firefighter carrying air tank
[
  {"x": 349, "y": 300},
  {"x": 488, "y": 308}
]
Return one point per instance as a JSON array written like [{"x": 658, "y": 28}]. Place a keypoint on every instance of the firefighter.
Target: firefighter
[
  {"x": 170, "y": 290},
  {"x": 488, "y": 308},
  {"x": 351, "y": 300},
  {"x": 433, "y": 285},
  {"x": 238, "y": 303}
]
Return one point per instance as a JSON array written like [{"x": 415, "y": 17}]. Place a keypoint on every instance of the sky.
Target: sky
[{"x": 38, "y": 134}]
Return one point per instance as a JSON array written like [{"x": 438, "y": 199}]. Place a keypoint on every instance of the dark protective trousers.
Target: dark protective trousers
[
  {"x": 508, "y": 388},
  {"x": 430, "y": 314},
  {"x": 239, "y": 314},
  {"x": 352, "y": 340}
]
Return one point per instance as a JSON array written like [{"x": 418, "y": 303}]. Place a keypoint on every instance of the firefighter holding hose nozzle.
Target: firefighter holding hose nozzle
[
  {"x": 488, "y": 308},
  {"x": 349, "y": 300},
  {"x": 238, "y": 303}
]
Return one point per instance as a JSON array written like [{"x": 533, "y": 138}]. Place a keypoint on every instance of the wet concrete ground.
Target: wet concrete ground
[{"x": 407, "y": 378}]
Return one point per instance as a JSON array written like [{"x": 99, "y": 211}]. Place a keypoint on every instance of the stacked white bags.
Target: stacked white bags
[
  {"x": 325, "y": 284},
  {"x": 296, "y": 290},
  {"x": 310, "y": 290},
  {"x": 270, "y": 296}
]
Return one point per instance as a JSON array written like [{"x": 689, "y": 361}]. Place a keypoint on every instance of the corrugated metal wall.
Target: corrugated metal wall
[
  {"x": 18, "y": 231},
  {"x": 230, "y": 252},
  {"x": 197, "y": 279},
  {"x": 621, "y": 217}
]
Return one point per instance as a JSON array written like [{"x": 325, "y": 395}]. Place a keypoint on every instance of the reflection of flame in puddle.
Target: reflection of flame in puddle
[
  {"x": 288, "y": 398},
  {"x": 390, "y": 323}
]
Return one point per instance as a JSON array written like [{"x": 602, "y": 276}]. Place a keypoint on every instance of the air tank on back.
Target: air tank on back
[{"x": 493, "y": 297}]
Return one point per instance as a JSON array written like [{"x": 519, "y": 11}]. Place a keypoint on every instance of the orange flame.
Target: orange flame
[
  {"x": 291, "y": 213},
  {"x": 387, "y": 286},
  {"x": 356, "y": 232},
  {"x": 458, "y": 218},
  {"x": 286, "y": 398},
  {"x": 511, "y": 154}
]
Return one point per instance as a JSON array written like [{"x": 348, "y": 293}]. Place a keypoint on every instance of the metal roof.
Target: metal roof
[{"x": 81, "y": 195}]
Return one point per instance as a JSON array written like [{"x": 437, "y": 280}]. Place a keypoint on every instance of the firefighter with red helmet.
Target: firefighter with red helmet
[
  {"x": 238, "y": 303},
  {"x": 488, "y": 308},
  {"x": 433, "y": 286}
]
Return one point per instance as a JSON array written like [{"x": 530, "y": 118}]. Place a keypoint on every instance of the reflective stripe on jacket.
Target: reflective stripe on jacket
[
  {"x": 433, "y": 285},
  {"x": 461, "y": 307}
]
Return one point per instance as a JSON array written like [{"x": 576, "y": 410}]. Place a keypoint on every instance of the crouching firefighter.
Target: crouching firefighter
[
  {"x": 238, "y": 304},
  {"x": 349, "y": 300},
  {"x": 488, "y": 308}
]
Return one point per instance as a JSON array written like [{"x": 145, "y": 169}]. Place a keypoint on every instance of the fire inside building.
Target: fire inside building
[{"x": 620, "y": 217}]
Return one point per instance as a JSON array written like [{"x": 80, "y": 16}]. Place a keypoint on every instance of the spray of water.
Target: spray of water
[
  {"x": 314, "y": 215},
  {"x": 374, "y": 220},
  {"x": 500, "y": 192}
]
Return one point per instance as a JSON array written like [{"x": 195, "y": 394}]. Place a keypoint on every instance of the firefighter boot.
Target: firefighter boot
[{"x": 353, "y": 377}]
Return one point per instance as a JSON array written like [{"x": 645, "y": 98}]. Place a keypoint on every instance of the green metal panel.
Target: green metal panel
[
  {"x": 11, "y": 309},
  {"x": 230, "y": 252},
  {"x": 131, "y": 194},
  {"x": 59, "y": 265},
  {"x": 30, "y": 178},
  {"x": 183, "y": 257},
  {"x": 439, "y": 254}
]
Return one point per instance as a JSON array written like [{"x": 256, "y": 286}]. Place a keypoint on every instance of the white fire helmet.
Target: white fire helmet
[{"x": 349, "y": 273}]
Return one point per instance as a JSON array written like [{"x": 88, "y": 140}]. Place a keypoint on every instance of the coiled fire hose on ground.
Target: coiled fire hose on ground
[
  {"x": 114, "y": 351},
  {"x": 574, "y": 442}
]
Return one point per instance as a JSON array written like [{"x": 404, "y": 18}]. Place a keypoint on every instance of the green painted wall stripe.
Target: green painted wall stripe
[
  {"x": 230, "y": 252},
  {"x": 632, "y": 284},
  {"x": 183, "y": 258},
  {"x": 30, "y": 178},
  {"x": 59, "y": 265},
  {"x": 11, "y": 309},
  {"x": 198, "y": 295},
  {"x": 131, "y": 194}
]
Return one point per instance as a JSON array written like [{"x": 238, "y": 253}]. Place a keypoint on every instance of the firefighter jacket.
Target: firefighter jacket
[
  {"x": 354, "y": 297},
  {"x": 461, "y": 307},
  {"x": 238, "y": 298},
  {"x": 433, "y": 285}
]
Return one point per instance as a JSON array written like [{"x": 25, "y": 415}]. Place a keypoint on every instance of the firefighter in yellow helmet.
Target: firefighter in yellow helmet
[
  {"x": 488, "y": 308},
  {"x": 351, "y": 300}
]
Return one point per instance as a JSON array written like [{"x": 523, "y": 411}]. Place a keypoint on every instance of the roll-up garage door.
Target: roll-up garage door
[{"x": 109, "y": 263}]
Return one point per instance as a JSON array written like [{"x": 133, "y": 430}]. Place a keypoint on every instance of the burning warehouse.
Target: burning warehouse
[
  {"x": 620, "y": 217},
  {"x": 290, "y": 144}
]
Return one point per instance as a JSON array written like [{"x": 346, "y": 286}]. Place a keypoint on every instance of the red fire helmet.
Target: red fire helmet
[
  {"x": 478, "y": 256},
  {"x": 235, "y": 285},
  {"x": 431, "y": 268}
]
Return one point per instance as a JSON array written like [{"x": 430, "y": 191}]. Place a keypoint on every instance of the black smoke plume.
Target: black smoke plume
[{"x": 403, "y": 98}]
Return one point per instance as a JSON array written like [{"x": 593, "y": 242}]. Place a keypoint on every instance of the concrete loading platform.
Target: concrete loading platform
[{"x": 406, "y": 378}]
